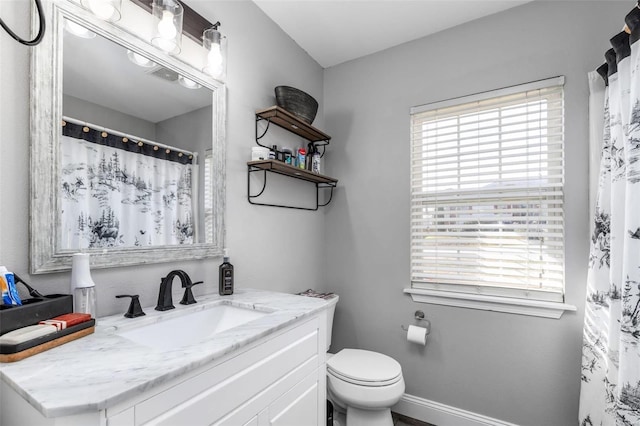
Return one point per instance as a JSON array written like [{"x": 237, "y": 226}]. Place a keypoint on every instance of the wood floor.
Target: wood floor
[{"x": 400, "y": 420}]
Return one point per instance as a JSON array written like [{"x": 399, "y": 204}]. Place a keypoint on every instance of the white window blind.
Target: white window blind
[{"x": 487, "y": 193}]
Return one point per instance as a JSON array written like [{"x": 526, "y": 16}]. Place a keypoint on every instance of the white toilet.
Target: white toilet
[{"x": 365, "y": 384}]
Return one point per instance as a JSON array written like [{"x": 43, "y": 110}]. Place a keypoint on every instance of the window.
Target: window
[{"x": 487, "y": 196}]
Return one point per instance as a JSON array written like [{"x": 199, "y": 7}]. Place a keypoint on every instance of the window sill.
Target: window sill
[{"x": 529, "y": 307}]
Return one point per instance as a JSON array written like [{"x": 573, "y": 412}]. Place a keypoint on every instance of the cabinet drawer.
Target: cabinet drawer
[
  {"x": 209, "y": 396},
  {"x": 258, "y": 403},
  {"x": 299, "y": 406}
]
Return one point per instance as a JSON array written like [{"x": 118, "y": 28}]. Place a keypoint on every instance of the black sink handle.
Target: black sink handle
[
  {"x": 135, "y": 310},
  {"x": 187, "y": 298}
]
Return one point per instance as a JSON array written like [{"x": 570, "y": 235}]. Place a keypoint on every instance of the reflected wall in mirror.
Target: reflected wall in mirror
[{"x": 128, "y": 149}]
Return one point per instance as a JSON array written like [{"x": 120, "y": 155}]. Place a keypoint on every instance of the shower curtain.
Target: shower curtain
[
  {"x": 610, "y": 386},
  {"x": 117, "y": 197}
]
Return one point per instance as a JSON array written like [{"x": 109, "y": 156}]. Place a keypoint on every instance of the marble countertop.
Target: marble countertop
[{"x": 104, "y": 368}]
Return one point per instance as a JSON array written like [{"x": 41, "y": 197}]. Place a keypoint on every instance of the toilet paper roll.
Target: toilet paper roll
[{"x": 417, "y": 335}]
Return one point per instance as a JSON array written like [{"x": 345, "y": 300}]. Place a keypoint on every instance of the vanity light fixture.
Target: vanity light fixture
[
  {"x": 188, "y": 83},
  {"x": 78, "y": 30},
  {"x": 107, "y": 10},
  {"x": 167, "y": 21},
  {"x": 192, "y": 25},
  {"x": 140, "y": 60},
  {"x": 216, "y": 45}
]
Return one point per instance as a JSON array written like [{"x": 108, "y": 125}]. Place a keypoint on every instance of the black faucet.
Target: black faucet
[
  {"x": 135, "y": 310},
  {"x": 165, "y": 301}
]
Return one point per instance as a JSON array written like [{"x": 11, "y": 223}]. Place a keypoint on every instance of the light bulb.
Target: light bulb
[
  {"x": 78, "y": 30},
  {"x": 102, "y": 9},
  {"x": 107, "y": 10},
  {"x": 140, "y": 60},
  {"x": 215, "y": 45},
  {"x": 167, "y": 25},
  {"x": 164, "y": 44},
  {"x": 166, "y": 29},
  {"x": 214, "y": 57},
  {"x": 188, "y": 83}
]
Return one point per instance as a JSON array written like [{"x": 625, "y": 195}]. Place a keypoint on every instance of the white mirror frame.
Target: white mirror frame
[{"x": 46, "y": 117}]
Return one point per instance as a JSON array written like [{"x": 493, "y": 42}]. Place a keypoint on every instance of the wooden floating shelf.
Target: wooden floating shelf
[
  {"x": 290, "y": 122},
  {"x": 295, "y": 172}
]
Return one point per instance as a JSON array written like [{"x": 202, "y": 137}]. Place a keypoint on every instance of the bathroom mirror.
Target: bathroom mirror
[{"x": 136, "y": 110}]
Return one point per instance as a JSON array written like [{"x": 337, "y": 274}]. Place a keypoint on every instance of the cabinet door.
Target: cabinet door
[
  {"x": 124, "y": 418},
  {"x": 298, "y": 407},
  {"x": 212, "y": 395},
  {"x": 252, "y": 422}
]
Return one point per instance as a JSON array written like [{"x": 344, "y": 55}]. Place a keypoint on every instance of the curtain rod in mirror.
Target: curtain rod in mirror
[{"x": 105, "y": 136}]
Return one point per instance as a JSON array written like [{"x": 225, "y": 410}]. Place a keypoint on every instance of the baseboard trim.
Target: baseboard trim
[{"x": 442, "y": 415}]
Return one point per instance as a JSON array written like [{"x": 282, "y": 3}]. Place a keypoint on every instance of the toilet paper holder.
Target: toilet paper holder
[{"x": 419, "y": 316}]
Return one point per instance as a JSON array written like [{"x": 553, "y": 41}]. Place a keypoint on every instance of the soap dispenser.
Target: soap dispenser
[
  {"x": 82, "y": 286},
  {"x": 225, "y": 283}
]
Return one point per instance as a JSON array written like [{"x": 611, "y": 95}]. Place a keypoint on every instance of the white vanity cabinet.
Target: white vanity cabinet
[{"x": 277, "y": 380}]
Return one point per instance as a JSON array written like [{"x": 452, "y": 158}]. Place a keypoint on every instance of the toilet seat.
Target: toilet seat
[
  {"x": 377, "y": 394},
  {"x": 364, "y": 368},
  {"x": 363, "y": 383}
]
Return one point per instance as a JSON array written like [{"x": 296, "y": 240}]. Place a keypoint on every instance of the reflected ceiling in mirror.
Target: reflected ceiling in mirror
[{"x": 104, "y": 73}]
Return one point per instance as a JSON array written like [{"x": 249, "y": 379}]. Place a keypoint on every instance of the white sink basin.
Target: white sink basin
[{"x": 192, "y": 327}]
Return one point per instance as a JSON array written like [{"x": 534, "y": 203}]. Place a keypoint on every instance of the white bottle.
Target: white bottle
[
  {"x": 316, "y": 163},
  {"x": 82, "y": 286}
]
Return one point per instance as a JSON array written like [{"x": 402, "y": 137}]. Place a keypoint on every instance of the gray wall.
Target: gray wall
[
  {"x": 515, "y": 368},
  {"x": 264, "y": 248},
  {"x": 192, "y": 131},
  {"x": 99, "y": 115}
]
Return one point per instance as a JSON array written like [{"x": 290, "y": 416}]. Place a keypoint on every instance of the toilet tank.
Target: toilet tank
[{"x": 331, "y": 310}]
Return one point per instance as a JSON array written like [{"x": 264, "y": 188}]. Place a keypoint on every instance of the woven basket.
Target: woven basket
[{"x": 297, "y": 103}]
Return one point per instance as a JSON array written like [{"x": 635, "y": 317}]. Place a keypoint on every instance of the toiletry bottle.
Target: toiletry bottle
[
  {"x": 4, "y": 286},
  {"x": 288, "y": 154},
  {"x": 302, "y": 154},
  {"x": 225, "y": 283},
  {"x": 311, "y": 150},
  {"x": 82, "y": 286},
  {"x": 316, "y": 162},
  {"x": 9, "y": 291}
]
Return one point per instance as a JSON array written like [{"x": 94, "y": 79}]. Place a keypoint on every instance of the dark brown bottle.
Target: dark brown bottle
[{"x": 225, "y": 283}]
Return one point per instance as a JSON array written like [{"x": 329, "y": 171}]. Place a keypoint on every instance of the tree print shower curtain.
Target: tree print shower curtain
[
  {"x": 115, "y": 198},
  {"x": 610, "y": 386}
]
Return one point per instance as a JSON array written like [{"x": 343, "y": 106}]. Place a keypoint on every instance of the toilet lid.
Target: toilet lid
[{"x": 364, "y": 367}]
